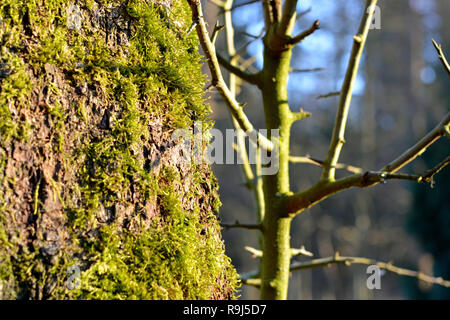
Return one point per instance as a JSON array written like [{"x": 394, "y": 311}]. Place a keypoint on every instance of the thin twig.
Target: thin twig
[
  {"x": 323, "y": 189},
  {"x": 441, "y": 56},
  {"x": 315, "y": 26},
  {"x": 251, "y": 278},
  {"x": 237, "y": 224},
  {"x": 249, "y": 35},
  {"x": 243, "y": 4},
  {"x": 336, "y": 259},
  {"x": 409, "y": 155},
  {"x": 241, "y": 50},
  {"x": 218, "y": 3},
  {"x": 215, "y": 33},
  {"x": 301, "y": 252},
  {"x": 246, "y": 64},
  {"x": 217, "y": 79},
  {"x": 252, "y": 282},
  {"x": 251, "y": 78},
  {"x": 320, "y": 163},
  {"x": 337, "y": 139},
  {"x": 303, "y": 13},
  {"x": 328, "y": 95},
  {"x": 428, "y": 177},
  {"x": 306, "y": 70},
  {"x": 255, "y": 252}
]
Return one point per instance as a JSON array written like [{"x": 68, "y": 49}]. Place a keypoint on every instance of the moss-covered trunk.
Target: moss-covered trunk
[{"x": 94, "y": 202}]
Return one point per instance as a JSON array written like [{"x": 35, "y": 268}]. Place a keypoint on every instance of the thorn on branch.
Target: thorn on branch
[
  {"x": 255, "y": 252},
  {"x": 297, "y": 116},
  {"x": 357, "y": 38}
]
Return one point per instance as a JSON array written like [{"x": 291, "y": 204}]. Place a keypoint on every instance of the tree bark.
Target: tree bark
[{"x": 95, "y": 201}]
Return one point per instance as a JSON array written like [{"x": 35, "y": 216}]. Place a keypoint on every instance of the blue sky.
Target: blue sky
[{"x": 320, "y": 49}]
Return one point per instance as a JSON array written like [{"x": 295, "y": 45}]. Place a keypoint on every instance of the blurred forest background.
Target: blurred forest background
[{"x": 401, "y": 93}]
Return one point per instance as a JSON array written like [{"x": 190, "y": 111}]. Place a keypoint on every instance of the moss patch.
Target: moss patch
[{"x": 89, "y": 176}]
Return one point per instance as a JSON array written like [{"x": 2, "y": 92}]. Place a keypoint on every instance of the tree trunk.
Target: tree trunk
[
  {"x": 94, "y": 200},
  {"x": 276, "y": 225}
]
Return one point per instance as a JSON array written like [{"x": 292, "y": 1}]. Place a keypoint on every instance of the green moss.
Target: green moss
[
  {"x": 15, "y": 88},
  {"x": 157, "y": 73}
]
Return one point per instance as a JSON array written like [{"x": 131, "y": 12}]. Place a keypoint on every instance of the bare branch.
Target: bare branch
[
  {"x": 428, "y": 177},
  {"x": 306, "y": 70},
  {"x": 247, "y": 63},
  {"x": 250, "y": 78},
  {"x": 249, "y": 35},
  {"x": 256, "y": 184},
  {"x": 305, "y": 159},
  {"x": 268, "y": 16},
  {"x": 259, "y": 187},
  {"x": 441, "y": 56},
  {"x": 328, "y": 95},
  {"x": 315, "y": 26},
  {"x": 241, "y": 50},
  {"x": 252, "y": 282},
  {"x": 440, "y": 130},
  {"x": 320, "y": 163},
  {"x": 303, "y": 13},
  {"x": 337, "y": 139},
  {"x": 276, "y": 10},
  {"x": 288, "y": 18},
  {"x": 243, "y": 4},
  {"x": 336, "y": 259},
  {"x": 255, "y": 252},
  {"x": 217, "y": 79},
  {"x": 237, "y": 224},
  {"x": 218, "y": 3},
  {"x": 324, "y": 188},
  {"x": 215, "y": 33},
  {"x": 301, "y": 252}
]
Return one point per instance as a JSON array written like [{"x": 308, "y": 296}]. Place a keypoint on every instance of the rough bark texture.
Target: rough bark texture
[{"x": 89, "y": 175}]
